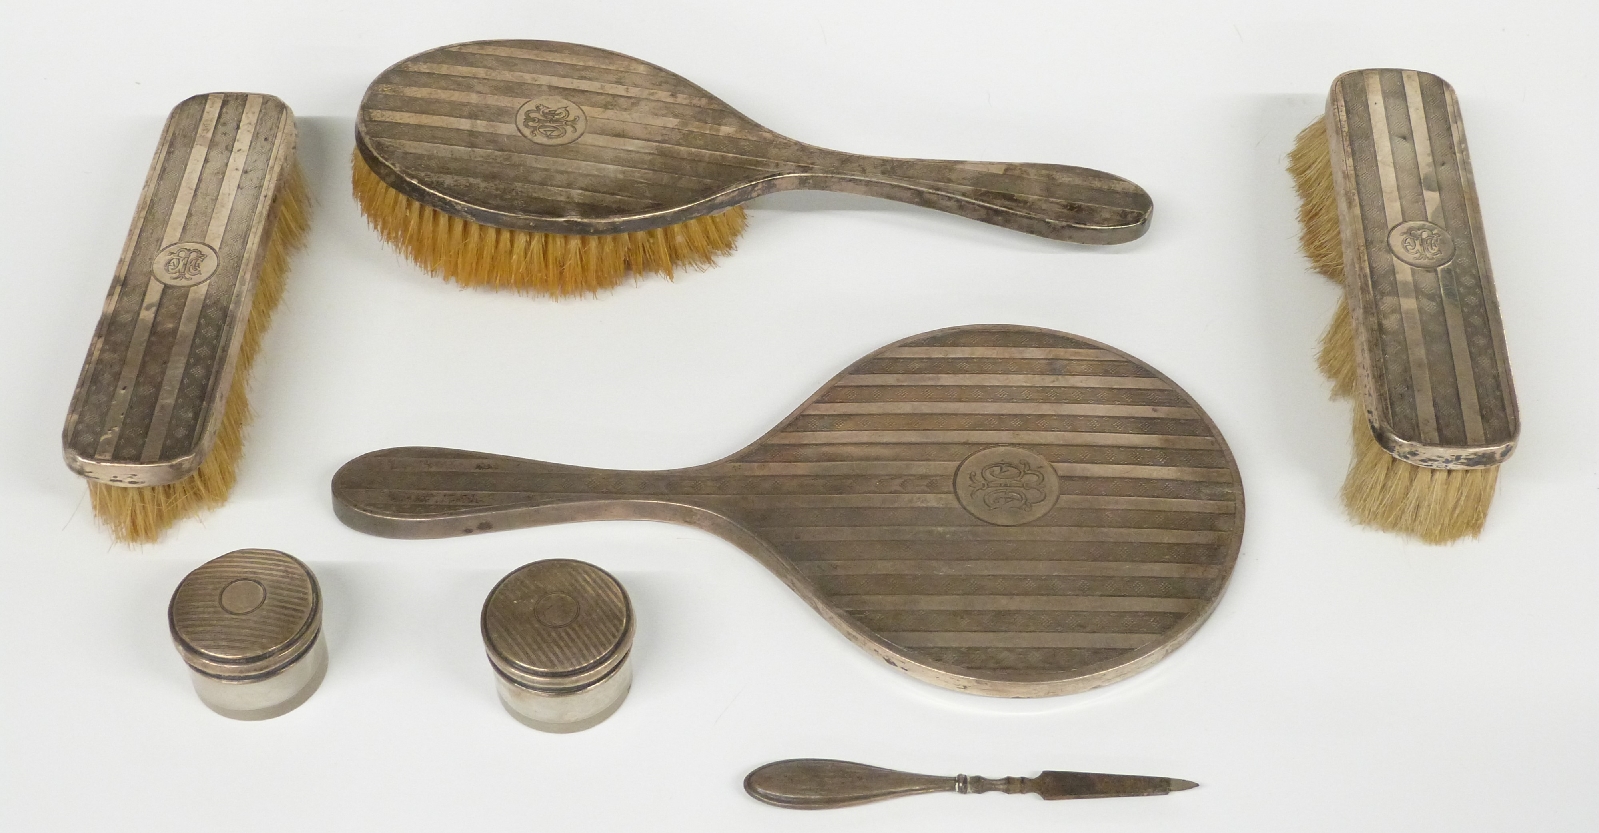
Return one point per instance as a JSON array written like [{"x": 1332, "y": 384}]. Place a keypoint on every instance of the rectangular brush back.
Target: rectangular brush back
[
  {"x": 1429, "y": 345},
  {"x": 155, "y": 383}
]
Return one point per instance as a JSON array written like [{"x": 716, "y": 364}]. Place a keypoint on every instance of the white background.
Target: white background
[{"x": 1348, "y": 681}]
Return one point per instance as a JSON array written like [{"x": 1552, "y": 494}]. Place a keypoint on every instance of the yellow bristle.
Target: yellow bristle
[
  {"x": 1434, "y": 505},
  {"x": 141, "y": 515},
  {"x": 1336, "y": 359},
  {"x": 1310, "y": 164},
  {"x": 560, "y": 265},
  {"x": 1381, "y": 491}
]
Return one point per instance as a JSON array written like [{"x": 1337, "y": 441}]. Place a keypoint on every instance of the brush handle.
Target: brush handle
[
  {"x": 1429, "y": 345},
  {"x": 562, "y": 138},
  {"x": 1060, "y": 202},
  {"x": 153, "y": 393},
  {"x": 817, "y": 784}
]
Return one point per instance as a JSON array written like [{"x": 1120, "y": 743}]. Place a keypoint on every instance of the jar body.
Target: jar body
[
  {"x": 267, "y": 697},
  {"x": 559, "y": 636},
  {"x": 566, "y": 711},
  {"x": 248, "y": 625}
]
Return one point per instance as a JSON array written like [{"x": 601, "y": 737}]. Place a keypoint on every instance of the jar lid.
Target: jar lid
[
  {"x": 246, "y": 614},
  {"x": 557, "y": 625}
]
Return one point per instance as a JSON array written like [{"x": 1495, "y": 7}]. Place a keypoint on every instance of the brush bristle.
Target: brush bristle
[
  {"x": 141, "y": 515},
  {"x": 559, "y": 265},
  {"x": 1336, "y": 359},
  {"x": 1310, "y": 164},
  {"x": 1435, "y": 505}
]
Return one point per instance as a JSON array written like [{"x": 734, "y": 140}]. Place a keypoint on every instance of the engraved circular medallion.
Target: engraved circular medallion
[
  {"x": 555, "y": 610},
  {"x": 185, "y": 264},
  {"x": 1007, "y": 486},
  {"x": 557, "y": 622},
  {"x": 551, "y": 120},
  {"x": 245, "y": 614},
  {"x": 242, "y": 596},
  {"x": 1421, "y": 244}
]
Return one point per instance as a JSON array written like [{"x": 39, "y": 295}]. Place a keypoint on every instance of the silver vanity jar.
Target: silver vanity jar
[
  {"x": 559, "y": 634},
  {"x": 249, "y": 626}
]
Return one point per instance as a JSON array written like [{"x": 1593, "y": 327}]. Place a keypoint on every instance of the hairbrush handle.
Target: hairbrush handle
[
  {"x": 1060, "y": 202},
  {"x": 563, "y": 138}
]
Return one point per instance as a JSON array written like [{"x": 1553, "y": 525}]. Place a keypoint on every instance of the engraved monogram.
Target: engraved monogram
[
  {"x": 1007, "y": 486},
  {"x": 1421, "y": 244},
  {"x": 185, "y": 264},
  {"x": 550, "y": 120}
]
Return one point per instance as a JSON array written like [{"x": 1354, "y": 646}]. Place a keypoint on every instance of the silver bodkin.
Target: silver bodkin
[{"x": 821, "y": 784}]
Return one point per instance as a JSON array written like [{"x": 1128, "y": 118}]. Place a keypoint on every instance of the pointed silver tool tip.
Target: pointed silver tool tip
[{"x": 1178, "y": 784}]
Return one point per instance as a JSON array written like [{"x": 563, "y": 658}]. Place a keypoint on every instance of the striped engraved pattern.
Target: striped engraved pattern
[
  {"x": 1430, "y": 345},
  {"x": 555, "y": 618},
  {"x": 852, "y": 501},
  {"x": 152, "y": 387},
  {"x": 274, "y": 631},
  {"x": 641, "y": 147}
]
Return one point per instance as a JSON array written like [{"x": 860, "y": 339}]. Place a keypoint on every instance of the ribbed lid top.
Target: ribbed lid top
[
  {"x": 557, "y": 624},
  {"x": 245, "y": 614}
]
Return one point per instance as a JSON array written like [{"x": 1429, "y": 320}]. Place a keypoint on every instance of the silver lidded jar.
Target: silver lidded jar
[
  {"x": 249, "y": 626},
  {"x": 559, "y": 634}
]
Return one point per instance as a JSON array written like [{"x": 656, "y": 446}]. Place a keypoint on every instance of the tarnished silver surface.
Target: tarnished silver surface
[
  {"x": 564, "y": 712},
  {"x": 568, "y": 139},
  {"x": 819, "y": 784},
  {"x": 1002, "y": 510},
  {"x": 1430, "y": 348},
  {"x": 266, "y": 697},
  {"x": 559, "y": 634},
  {"x": 248, "y": 624},
  {"x": 153, "y": 388}
]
